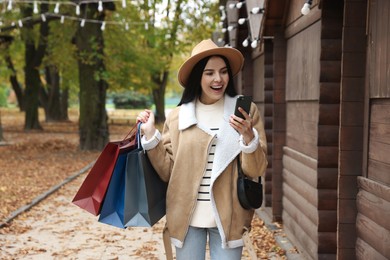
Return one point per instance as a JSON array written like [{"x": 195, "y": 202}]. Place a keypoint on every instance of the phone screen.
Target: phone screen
[{"x": 245, "y": 103}]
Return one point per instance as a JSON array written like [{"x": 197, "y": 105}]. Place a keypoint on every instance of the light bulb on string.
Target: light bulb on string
[
  {"x": 43, "y": 17},
  {"x": 57, "y": 8},
  {"x": 256, "y": 10},
  {"x": 242, "y": 20},
  {"x": 77, "y": 10},
  {"x": 239, "y": 5},
  {"x": 20, "y": 23},
  {"x": 100, "y": 6},
  {"x": 103, "y": 26},
  {"x": 82, "y": 23},
  {"x": 9, "y": 6},
  {"x": 62, "y": 19},
  {"x": 306, "y": 7},
  {"x": 35, "y": 7},
  {"x": 124, "y": 3},
  {"x": 254, "y": 44},
  {"x": 245, "y": 43}
]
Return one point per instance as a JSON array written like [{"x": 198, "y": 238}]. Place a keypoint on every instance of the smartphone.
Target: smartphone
[{"x": 245, "y": 103}]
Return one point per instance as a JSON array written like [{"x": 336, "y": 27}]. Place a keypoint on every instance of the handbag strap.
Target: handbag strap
[{"x": 239, "y": 169}]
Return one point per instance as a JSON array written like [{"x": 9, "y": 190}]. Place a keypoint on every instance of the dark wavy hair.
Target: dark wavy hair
[{"x": 193, "y": 89}]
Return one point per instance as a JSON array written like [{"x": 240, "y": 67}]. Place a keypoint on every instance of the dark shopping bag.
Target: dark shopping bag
[
  {"x": 145, "y": 192},
  {"x": 113, "y": 204},
  {"x": 91, "y": 193}
]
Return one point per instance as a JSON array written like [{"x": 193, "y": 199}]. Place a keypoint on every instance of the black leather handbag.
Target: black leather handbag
[{"x": 250, "y": 193}]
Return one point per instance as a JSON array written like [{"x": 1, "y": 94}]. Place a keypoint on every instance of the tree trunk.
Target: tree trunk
[
  {"x": 93, "y": 127},
  {"x": 64, "y": 103},
  {"x": 33, "y": 58},
  {"x": 159, "y": 95},
  {"x": 51, "y": 97},
  {"x": 32, "y": 97},
  {"x": 15, "y": 83}
]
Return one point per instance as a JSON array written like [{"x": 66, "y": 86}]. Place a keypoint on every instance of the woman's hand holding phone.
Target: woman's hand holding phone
[{"x": 241, "y": 120}]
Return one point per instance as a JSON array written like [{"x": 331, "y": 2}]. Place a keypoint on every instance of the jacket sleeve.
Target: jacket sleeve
[
  {"x": 161, "y": 155},
  {"x": 255, "y": 163}
]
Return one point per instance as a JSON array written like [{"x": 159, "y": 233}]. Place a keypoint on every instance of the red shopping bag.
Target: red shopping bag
[{"x": 91, "y": 193}]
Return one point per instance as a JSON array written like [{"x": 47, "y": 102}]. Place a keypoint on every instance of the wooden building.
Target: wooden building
[{"x": 322, "y": 81}]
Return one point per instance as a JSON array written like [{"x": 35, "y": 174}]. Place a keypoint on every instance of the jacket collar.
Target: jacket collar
[{"x": 187, "y": 114}]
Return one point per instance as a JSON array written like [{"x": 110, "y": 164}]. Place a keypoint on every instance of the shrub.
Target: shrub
[{"x": 131, "y": 100}]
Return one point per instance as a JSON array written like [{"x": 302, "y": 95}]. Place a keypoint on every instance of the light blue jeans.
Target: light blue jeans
[{"x": 194, "y": 247}]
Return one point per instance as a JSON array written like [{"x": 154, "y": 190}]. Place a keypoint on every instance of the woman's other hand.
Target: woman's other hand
[
  {"x": 243, "y": 126},
  {"x": 147, "y": 119}
]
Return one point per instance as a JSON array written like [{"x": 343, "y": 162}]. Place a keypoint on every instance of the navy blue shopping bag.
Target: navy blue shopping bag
[{"x": 112, "y": 212}]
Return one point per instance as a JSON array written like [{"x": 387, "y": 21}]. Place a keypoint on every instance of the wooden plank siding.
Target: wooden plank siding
[
  {"x": 268, "y": 88},
  {"x": 278, "y": 121},
  {"x": 313, "y": 107},
  {"x": 379, "y": 145},
  {"x": 329, "y": 122},
  {"x": 300, "y": 213},
  {"x": 302, "y": 127},
  {"x": 352, "y": 119},
  {"x": 379, "y": 62},
  {"x": 372, "y": 225},
  {"x": 373, "y": 198}
]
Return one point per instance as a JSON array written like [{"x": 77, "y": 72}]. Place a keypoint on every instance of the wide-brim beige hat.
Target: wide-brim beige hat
[{"x": 208, "y": 48}]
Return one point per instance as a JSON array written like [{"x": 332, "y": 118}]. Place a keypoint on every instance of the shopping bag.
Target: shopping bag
[
  {"x": 145, "y": 192},
  {"x": 113, "y": 204},
  {"x": 92, "y": 191}
]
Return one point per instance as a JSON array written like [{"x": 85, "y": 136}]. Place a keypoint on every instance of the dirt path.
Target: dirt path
[{"x": 57, "y": 229}]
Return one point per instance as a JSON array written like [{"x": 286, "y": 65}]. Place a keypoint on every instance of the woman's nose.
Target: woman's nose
[{"x": 217, "y": 77}]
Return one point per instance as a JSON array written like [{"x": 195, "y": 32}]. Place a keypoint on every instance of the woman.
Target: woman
[{"x": 196, "y": 154}]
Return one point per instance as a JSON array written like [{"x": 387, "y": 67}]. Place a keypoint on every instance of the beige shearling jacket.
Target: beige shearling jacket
[{"x": 180, "y": 159}]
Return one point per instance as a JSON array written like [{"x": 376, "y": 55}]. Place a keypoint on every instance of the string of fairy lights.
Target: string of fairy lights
[{"x": 10, "y": 5}]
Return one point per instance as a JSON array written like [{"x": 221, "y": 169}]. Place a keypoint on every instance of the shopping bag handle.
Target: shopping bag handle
[
  {"x": 139, "y": 135},
  {"x": 130, "y": 133}
]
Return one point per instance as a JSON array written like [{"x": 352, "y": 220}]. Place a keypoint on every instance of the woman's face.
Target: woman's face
[{"x": 215, "y": 78}]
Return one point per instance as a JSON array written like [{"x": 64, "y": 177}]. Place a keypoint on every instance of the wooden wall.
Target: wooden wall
[
  {"x": 372, "y": 223},
  {"x": 268, "y": 117},
  {"x": 373, "y": 198},
  {"x": 300, "y": 196},
  {"x": 379, "y": 62},
  {"x": 310, "y": 157},
  {"x": 278, "y": 121},
  {"x": 379, "y": 145}
]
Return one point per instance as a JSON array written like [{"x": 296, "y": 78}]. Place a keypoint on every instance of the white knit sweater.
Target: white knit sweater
[{"x": 209, "y": 116}]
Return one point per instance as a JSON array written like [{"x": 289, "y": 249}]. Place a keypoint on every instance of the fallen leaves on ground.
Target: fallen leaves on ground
[{"x": 32, "y": 162}]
